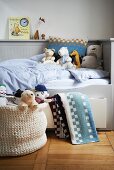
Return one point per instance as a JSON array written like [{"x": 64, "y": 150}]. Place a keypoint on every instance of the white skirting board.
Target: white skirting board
[{"x": 99, "y": 109}]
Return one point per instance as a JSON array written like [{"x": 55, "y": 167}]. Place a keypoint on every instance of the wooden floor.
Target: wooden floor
[{"x": 59, "y": 154}]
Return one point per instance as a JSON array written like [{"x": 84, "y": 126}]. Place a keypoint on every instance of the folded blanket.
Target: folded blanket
[{"x": 73, "y": 117}]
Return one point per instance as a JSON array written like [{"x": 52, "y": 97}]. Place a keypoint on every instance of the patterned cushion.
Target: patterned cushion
[{"x": 74, "y": 44}]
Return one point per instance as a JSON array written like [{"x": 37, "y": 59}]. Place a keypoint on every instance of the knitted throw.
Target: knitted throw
[{"x": 21, "y": 132}]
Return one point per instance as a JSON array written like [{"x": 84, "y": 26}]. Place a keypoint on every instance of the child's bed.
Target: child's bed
[{"x": 99, "y": 90}]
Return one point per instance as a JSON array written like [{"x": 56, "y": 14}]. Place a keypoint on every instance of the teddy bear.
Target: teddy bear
[
  {"x": 27, "y": 101},
  {"x": 3, "y": 100},
  {"x": 41, "y": 94},
  {"x": 93, "y": 58},
  {"x": 65, "y": 59},
  {"x": 96, "y": 50},
  {"x": 89, "y": 61},
  {"x": 49, "y": 58}
]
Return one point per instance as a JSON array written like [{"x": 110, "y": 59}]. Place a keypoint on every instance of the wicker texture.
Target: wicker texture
[{"x": 21, "y": 132}]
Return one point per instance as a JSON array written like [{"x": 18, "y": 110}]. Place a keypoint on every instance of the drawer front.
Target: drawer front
[{"x": 99, "y": 109}]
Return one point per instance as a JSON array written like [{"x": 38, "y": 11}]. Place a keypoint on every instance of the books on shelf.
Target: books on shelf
[{"x": 19, "y": 28}]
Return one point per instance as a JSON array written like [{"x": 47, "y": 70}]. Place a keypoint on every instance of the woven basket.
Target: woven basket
[{"x": 21, "y": 132}]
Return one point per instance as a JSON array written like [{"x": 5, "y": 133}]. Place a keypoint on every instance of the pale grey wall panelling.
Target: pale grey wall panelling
[
  {"x": 92, "y": 19},
  {"x": 21, "y": 49}
]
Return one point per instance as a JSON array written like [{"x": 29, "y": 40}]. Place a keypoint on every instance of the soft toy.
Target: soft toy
[
  {"x": 3, "y": 100},
  {"x": 49, "y": 58},
  {"x": 89, "y": 61},
  {"x": 28, "y": 101},
  {"x": 77, "y": 58},
  {"x": 41, "y": 94},
  {"x": 43, "y": 36},
  {"x": 65, "y": 59},
  {"x": 97, "y": 51},
  {"x": 17, "y": 96}
]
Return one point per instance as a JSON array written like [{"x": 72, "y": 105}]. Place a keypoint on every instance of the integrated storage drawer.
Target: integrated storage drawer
[{"x": 99, "y": 108}]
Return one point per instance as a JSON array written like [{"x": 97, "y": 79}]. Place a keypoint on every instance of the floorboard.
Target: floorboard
[{"x": 60, "y": 154}]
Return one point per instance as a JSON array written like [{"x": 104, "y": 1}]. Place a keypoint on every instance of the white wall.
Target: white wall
[{"x": 91, "y": 19}]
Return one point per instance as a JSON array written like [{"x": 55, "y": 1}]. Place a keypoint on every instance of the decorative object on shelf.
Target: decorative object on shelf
[
  {"x": 36, "y": 34},
  {"x": 43, "y": 36},
  {"x": 19, "y": 28}
]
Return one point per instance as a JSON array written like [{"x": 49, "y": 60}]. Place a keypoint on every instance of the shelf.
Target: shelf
[{"x": 7, "y": 40}]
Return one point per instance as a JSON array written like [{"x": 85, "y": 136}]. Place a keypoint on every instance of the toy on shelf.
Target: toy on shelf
[
  {"x": 43, "y": 36},
  {"x": 49, "y": 58},
  {"x": 3, "y": 100},
  {"x": 41, "y": 94},
  {"x": 76, "y": 59},
  {"x": 27, "y": 101},
  {"x": 65, "y": 59},
  {"x": 37, "y": 34}
]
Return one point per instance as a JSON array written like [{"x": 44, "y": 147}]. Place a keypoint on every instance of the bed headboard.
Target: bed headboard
[
  {"x": 21, "y": 49},
  {"x": 25, "y": 49}
]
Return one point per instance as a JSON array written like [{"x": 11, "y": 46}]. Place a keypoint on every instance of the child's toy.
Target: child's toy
[
  {"x": 43, "y": 36},
  {"x": 93, "y": 58},
  {"x": 36, "y": 35},
  {"x": 3, "y": 100},
  {"x": 77, "y": 58},
  {"x": 28, "y": 101},
  {"x": 49, "y": 58},
  {"x": 65, "y": 59},
  {"x": 41, "y": 94},
  {"x": 97, "y": 51},
  {"x": 89, "y": 61},
  {"x": 17, "y": 96}
]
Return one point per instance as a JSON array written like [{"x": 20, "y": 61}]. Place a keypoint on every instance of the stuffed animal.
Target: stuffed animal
[
  {"x": 89, "y": 61},
  {"x": 41, "y": 94},
  {"x": 3, "y": 100},
  {"x": 49, "y": 58},
  {"x": 28, "y": 101},
  {"x": 65, "y": 59},
  {"x": 97, "y": 51},
  {"x": 43, "y": 36},
  {"x": 17, "y": 96},
  {"x": 77, "y": 58}
]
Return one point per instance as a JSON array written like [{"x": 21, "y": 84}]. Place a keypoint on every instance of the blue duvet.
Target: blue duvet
[{"x": 26, "y": 74}]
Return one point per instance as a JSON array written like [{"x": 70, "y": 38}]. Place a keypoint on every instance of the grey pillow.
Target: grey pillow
[{"x": 83, "y": 74}]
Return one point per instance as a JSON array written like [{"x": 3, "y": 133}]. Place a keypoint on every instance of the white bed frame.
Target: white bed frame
[{"x": 101, "y": 96}]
